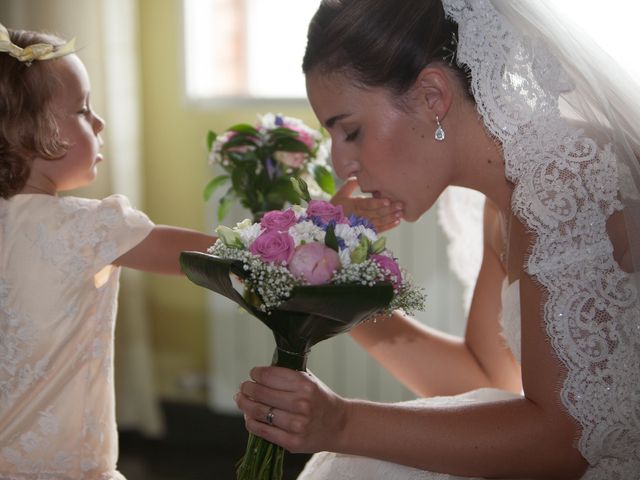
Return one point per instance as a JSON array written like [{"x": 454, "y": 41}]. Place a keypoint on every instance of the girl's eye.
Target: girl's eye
[{"x": 352, "y": 136}]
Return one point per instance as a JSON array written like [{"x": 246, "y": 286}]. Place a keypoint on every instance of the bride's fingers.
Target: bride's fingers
[
  {"x": 286, "y": 400},
  {"x": 279, "y": 378},
  {"x": 261, "y": 418},
  {"x": 290, "y": 441}
]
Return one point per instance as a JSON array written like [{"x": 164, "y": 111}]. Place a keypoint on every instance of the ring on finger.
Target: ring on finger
[{"x": 270, "y": 416}]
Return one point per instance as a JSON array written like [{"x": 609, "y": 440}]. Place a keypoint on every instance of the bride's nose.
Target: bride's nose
[{"x": 345, "y": 166}]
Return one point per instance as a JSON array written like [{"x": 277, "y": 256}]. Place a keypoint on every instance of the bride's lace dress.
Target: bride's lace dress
[
  {"x": 567, "y": 186},
  {"x": 335, "y": 466}
]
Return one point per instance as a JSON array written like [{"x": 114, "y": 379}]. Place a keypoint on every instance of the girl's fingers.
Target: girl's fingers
[
  {"x": 386, "y": 225},
  {"x": 347, "y": 188}
]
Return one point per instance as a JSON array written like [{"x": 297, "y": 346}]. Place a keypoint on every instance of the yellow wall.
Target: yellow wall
[{"x": 175, "y": 171}]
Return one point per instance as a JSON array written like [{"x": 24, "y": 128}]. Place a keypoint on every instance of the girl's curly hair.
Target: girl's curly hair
[{"x": 28, "y": 128}]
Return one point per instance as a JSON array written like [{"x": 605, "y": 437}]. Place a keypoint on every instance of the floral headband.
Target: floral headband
[{"x": 37, "y": 51}]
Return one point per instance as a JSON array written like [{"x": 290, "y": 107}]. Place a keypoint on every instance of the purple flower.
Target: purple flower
[
  {"x": 390, "y": 269},
  {"x": 273, "y": 246},
  {"x": 354, "y": 221},
  {"x": 279, "y": 221},
  {"x": 314, "y": 262},
  {"x": 273, "y": 170},
  {"x": 326, "y": 211}
]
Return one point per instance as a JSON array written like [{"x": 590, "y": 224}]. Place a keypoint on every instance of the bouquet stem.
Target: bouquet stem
[{"x": 262, "y": 459}]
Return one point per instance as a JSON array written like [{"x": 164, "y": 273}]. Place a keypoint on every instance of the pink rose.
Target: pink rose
[
  {"x": 304, "y": 135},
  {"x": 278, "y": 220},
  {"x": 326, "y": 211},
  {"x": 291, "y": 159},
  {"x": 272, "y": 246},
  {"x": 314, "y": 262},
  {"x": 390, "y": 269}
]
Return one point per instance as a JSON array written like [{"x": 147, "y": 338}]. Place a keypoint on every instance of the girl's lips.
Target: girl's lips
[{"x": 376, "y": 194}]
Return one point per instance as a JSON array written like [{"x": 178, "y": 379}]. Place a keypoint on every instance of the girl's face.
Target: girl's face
[
  {"x": 390, "y": 150},
  {"x": 79, "y": 127}
]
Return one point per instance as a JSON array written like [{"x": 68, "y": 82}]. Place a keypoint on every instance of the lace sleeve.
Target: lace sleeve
[{"x": 99, "y": 231}]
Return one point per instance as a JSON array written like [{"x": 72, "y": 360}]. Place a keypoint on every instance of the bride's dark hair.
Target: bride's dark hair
[{"x": 381, "y": 43}]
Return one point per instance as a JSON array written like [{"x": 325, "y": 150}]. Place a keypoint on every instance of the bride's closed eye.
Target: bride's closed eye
[{"x": 352, "y": 136}]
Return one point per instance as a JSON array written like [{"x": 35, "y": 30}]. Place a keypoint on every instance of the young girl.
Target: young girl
[
  {"x": 59, "y": 266},
  {"x": 59, "y": 259}
]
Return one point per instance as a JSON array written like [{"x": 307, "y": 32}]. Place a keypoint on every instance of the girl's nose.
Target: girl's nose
[{"x": 98, "y": 123}]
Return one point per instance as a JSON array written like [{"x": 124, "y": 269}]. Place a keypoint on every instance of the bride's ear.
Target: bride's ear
[{"x": 436, "y": 90}]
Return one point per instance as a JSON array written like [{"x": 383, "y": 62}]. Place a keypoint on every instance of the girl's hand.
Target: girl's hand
[
  {"x": 292, "y": 409},
  {"x": 381, "y": 212}
]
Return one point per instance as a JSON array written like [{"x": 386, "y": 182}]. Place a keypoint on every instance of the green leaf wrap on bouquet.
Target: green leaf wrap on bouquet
[{"x": 311, "y": 314}]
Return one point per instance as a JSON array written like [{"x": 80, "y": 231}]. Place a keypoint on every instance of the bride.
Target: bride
[{"x": 501, "y": 97}]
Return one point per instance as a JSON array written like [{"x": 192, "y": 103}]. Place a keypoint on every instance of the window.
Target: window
[
  {"x": 253, "y": 48},
  {"x": 245, "y": 48}
]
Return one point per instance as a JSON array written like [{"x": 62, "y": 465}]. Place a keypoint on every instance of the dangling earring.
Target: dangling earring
[{"x": 439, "y": 136}]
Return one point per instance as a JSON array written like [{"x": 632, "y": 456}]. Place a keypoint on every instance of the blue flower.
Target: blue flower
[
  {"x": 354, "y": 221},
  {"x": 273, "y": 169}
]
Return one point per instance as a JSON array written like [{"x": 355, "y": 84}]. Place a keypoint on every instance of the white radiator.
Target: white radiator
[{"x": 238, "y": 341}]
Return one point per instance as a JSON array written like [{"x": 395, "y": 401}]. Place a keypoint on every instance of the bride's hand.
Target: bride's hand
[{"x": 292, "y": 409}]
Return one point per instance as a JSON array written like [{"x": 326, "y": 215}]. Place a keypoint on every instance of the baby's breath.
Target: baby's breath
[
  {"x": 365, "y": 273},
  {"x": 272, "y": 283}
]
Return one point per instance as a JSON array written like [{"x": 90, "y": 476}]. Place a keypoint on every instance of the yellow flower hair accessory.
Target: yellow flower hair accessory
[{"x": 37, "y": 51}]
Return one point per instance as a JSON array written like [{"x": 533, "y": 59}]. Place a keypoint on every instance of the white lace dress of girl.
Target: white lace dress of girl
[
  {"x": 58, "y": 292},
  {"x": 567, "y": 185}
]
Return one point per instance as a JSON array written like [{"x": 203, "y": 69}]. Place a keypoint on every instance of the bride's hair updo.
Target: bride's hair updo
[
  {"x": 381, "y": 43},
  {"x": 27, "y": 126}
]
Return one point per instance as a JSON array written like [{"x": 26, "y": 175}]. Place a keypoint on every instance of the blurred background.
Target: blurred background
[{"x": 163, "y": 73}]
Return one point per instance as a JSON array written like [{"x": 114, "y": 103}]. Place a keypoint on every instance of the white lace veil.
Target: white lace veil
[
  {"x": 531, "y": 68},
  {"x": 602, "y": 93}
]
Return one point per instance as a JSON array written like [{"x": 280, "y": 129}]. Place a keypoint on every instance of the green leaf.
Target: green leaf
[
  {"x": 242, "y": 157},
  {"x": 324, "y": 178},
  {"x": 281, "y": 132},
  {"x": 361, "y": 252},
  {"x": 330, "y": 239},
  {"x": 282, "y": 191},
  {"x": 213, "y": 185},
  {"x": 244, "y": 128},
  {"x": 379, "y": 245},
  {"x": 290, "y": 145},
  {"x": 300, "y": 186},
  {"x": 211, "y": 137},
  {"x": 223, "y": 207},
  {"x": 238, "y": 141}
]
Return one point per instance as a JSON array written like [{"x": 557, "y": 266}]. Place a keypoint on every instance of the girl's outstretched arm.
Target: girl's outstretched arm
[{"x": 159, "y": 252}]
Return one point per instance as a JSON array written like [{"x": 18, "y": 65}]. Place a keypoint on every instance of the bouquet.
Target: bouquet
[
  {"x": 309, "y": 274},
  {"x": 260, "y": 161}
]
